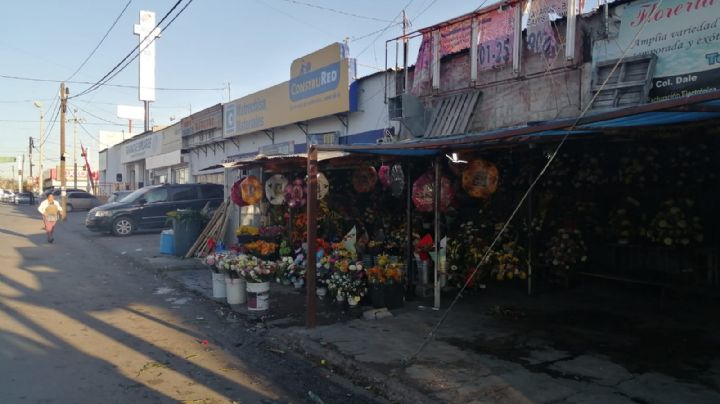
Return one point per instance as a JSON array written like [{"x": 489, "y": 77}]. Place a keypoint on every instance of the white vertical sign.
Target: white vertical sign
[{"x": 147, "y": 32}]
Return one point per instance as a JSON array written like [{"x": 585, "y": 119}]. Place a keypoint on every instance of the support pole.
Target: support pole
[
  {"x": 147, "y": 115},
  {"x": 409, "y": 257},
  {"x": 436, "y": 210},
  {"x": 312, "y": 170},
  {"x": 63, "y": 110}
]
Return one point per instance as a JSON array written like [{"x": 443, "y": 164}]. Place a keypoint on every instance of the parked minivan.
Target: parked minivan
[{"x": 147, "y": 208}]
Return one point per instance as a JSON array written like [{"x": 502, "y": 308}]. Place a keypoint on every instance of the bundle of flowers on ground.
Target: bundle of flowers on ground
[{"x": 347, "y": 285}]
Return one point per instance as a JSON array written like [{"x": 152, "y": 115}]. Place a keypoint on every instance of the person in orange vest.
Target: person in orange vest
[{"x": 51, "y": 212}]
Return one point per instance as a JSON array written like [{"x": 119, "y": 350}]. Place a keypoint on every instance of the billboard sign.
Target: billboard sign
[
  {"x": 319, "y": 86},
  {"x": 685, "y": 36}
]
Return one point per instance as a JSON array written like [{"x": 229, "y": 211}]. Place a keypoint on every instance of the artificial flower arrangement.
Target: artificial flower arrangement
[
  {"x": 641, "y": 167},
  {"x": 559, "y": 172},
  {"x": 691, "y": 165},
  {"x": 216, "y": 261},
  {"x": 285, "y": 250},
  {"x": 246, "y": 231},
  {"x": 390, "y": 273},
  {"x": 565, "y": 249},
  {"x": 626, "y": 221},
  {"x": 424, "y": 246},
  {"x": 674, "y": 225},
  {"x": 258, "y": 271},
  {"x": 261, "y": 247},
  {"x": 507, "y": 262},
  {"x": 589, "y": 172},
  {"x": 347, "y": 285},
  {"x": 271, "y": 231},
  {"x": 295, "y": 271},
  {"x": 281, "y": 271}
]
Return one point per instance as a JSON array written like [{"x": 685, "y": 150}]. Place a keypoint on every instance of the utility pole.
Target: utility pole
[
  {"x": 41, "y": 182},
  {"x": 22, "y": 174},
  {"x": 405, "y": 53},
  {"x": 75, "y": 121},
  {"x": 63, "y": 108},
  {"x": 30, "y": 147}
]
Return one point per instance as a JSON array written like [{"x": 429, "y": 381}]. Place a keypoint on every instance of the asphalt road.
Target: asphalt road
[{"x": 80, "y": 323}]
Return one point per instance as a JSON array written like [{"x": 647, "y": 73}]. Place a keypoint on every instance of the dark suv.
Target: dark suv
[{"x": 147, "y": 208}]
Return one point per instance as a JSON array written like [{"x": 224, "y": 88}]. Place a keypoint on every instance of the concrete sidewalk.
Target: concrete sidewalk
[{"x": 500, "y": 347}]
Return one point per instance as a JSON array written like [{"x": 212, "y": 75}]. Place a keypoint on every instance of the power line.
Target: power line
[
  {"x": 11, "y": 77},
  {"x": 295, "y": 18},
  {"x": 93, "y": 115},
  {"x": 101, "y": 41},
  {"x": 430, "y": 5},
  {"x": 335, "y": 11},
  {"x": 384, "y": 29},
  {"x": 119, "y": 67}
]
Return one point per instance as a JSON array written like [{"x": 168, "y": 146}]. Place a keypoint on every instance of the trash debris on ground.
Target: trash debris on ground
[
  {"x": 153, "y": 365},
  {"x": 315, "y": 398}
]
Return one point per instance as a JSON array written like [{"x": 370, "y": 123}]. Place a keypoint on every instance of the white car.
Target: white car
[{"x": 7, "y": 196}]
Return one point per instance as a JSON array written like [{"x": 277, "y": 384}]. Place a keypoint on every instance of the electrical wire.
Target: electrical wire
[
  {"x": 335, "y": 11},
  {"x": 119, "y": 67},
  {"x": 527, "y": 193},
  {"x": 101, "y": 41},
  {"x": 384, "y": 29},
  {"x": 95, "y": 116},
  {"x": 427, "y": 8},
  {"x": 10, "y": 77}
]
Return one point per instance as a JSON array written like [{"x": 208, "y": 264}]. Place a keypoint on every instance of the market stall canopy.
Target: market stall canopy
[
  {"x": 296, "y": 159},
  {"x": 693, "y": 109}
]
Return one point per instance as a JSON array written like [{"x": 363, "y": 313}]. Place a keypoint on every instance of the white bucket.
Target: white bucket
[
  {"x": 218, "y": 286},
  {"x": 235, "y": 290},
  {"x": 258, "y": 298}
]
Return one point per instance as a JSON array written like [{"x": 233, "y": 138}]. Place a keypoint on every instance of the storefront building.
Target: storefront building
[
  {"x": 168, "y": 167},
  {"x": 134, "y": 153}
]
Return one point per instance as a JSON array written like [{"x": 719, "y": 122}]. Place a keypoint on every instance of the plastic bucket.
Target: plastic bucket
[
  {"x": 235, "y": 290},
  {"x": 167, "y": 245},
  {"x": 258, "y": 298},
  {"x": 219, "y": 290}
]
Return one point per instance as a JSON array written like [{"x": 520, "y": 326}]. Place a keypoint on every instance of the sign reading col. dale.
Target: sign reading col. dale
[
  {"x": 685, "y": 36},
  {"x": 319, "y": 86}
]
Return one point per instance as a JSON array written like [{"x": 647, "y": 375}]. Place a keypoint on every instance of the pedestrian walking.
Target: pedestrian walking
[{"x": 51, "y": 212}]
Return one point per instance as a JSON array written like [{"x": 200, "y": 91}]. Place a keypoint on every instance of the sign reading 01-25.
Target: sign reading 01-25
[{"x": 494, "y": 53}]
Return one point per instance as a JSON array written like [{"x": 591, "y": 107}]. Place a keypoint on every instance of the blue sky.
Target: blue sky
[{"x": 248, "y": 43}]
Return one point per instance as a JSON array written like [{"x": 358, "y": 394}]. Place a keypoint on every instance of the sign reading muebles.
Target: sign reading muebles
[
  {"x": 140, "y": 149},
  {"x": 685, "y": 37},
  {"x": 319, "y": 86}
]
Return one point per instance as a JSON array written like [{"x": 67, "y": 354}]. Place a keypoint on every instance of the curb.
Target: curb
[{"x": 387, "y": 385}]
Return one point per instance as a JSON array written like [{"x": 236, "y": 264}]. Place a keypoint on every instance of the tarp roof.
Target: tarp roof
[
  {"x": 289, "y": 159},
  {"x": 696, "y": 108}
]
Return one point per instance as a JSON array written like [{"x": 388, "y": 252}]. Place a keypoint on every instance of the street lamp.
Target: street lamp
[{"x": 41, "y": 182}]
